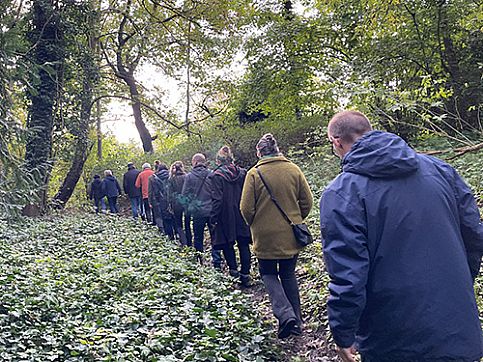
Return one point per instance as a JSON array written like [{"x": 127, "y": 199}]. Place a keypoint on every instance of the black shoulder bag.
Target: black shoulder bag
[{"x": 300, "y": 231}]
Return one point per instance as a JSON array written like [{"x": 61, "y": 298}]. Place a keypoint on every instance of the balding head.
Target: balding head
[
  {"x": 198, "y": 159},
  {"x": 348, "y": 126}
]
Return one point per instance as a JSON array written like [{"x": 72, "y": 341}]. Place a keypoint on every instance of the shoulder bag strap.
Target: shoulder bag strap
[{"x": 273, "y": 198}]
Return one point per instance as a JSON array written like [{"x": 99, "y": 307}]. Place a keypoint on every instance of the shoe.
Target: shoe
[
  {"x": 234, "y": 273},
  {"x": 296, "y": 330},
  {"x": 285, "y": 330},
  {"x": 245, "y": 280}
]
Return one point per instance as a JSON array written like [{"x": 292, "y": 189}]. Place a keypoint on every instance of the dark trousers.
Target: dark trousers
[
  {"x": 278, "y": 276},
  {"x": 101, "y": 202},
  {"x": 245, "y": 256},
  {"x": 199, "y": 224},
  {"x": 188, "y": 229},
  {"x": 168, "y": 224},
  {"x": 113, "y": 204},
  {"x": 157, "y": 218},
  {"x": 147, "y": 211},
  {"x": 178, "y": 227},
  {"x": 97, "y": 202}
]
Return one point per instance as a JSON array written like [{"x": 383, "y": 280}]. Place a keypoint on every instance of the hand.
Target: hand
[{"x": 347, "y": 354}]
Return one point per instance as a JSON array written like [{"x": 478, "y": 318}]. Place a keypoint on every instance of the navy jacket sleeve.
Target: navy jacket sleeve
[
  {"x": 124, "y": 184},
  {"x": 470, "y": 224},
  {"x": 344, "y": 234},
  {"x": 103, "y": 188}
]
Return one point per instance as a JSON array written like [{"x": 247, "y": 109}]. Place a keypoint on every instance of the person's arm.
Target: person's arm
[
  {"x": 151, "y": 192},
  {"x": 124, "y": 184},
  {"x": 247, "y": 201},
  {"x": 216, "y": 199},
  {"x": 138, "y": 181},
  {"x": 103, "y": 188},
  {"x": 118, "y": 187},
  {"x": 186, "y": 185},
  {"x": 306, "y": 200},
  {"x": 343, "y": 229},
  {"x": 470, "y": 224}
]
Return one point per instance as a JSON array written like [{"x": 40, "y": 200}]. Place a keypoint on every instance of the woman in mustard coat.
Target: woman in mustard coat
[{"x": 274, "y": 243}]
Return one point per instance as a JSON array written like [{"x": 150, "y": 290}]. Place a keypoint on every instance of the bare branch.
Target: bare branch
[{"x": 145, "y": 105}]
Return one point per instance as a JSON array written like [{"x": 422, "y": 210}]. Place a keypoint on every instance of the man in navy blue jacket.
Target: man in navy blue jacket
[{"x": 403, "y": 242}]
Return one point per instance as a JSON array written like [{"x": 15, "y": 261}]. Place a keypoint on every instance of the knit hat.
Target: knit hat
[
  {"x": 224, "y": 155},
  {"x": 146, "y": 165},
  {"x": 267, "y": 145}
]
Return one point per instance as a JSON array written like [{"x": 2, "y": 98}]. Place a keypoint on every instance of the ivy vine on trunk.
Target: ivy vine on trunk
[{"x": 46, "y": 40}]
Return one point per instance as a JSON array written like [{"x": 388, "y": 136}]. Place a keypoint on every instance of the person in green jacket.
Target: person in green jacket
[{"x": 274, "y": 243}]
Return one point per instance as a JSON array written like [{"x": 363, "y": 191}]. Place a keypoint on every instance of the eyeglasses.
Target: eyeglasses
[{"x": 331, "y": 140}]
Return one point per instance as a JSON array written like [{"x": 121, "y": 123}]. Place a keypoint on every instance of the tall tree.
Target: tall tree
[
  {"x": 46, "y": 39},
  {"x": 415, "y": 63},
  {"x": 128, "y": 43},
  {"x": 84, "y": 70}
]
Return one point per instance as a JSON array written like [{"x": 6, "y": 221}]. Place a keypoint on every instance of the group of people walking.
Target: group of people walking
[{"x": 402, "y": 238}]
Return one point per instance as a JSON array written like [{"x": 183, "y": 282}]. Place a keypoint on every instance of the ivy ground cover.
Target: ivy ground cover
[{"x": 87, "y": 288}]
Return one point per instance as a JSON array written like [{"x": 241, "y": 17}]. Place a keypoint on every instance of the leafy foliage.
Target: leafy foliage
[
  {"x": 17, "y": 185},
  {"x": 102, "y": 289}
]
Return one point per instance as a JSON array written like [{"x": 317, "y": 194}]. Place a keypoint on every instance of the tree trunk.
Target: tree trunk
[
  {"x": 81, "y": 131},
  {"x": 46, "y": 39},
  {"x": 82, "y": 146},
  {"x": 144, "y": 133},
  {"x": 124, "y": 69}
]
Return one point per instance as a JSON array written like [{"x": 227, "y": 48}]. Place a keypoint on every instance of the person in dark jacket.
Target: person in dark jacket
[
  {"x": 402, "y": 240},
  {"x": 177, "y": 175},
  {"x": 159, "y": 200},
  {"x": 95, "y": 193},
  {"x": 197, "y": 195},
  {"x": 112, "y": 190},
  {"x": 229, "y": 226},
  {"x": 130, "y": 189}
]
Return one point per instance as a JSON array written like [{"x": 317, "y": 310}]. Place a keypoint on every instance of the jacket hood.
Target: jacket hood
[
  {"x": 200, "y": 171},
  {"x": 110, "y": 178},
  {"x": 230, "y": 172},
  {"x": 163, "y": 174},
  {"x": 381, "y": 155},
  {"x": 96, "y": 181}
]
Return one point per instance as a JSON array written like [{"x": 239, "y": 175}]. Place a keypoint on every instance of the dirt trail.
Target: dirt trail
[{"x": 311, "y": 346}]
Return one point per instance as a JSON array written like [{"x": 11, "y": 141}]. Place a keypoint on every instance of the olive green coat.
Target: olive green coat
[{"x": 272, "y": 235}]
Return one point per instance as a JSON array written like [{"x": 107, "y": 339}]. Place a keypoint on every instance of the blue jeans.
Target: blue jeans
[
  {"x": 135, "y": 206},
  {"x": 199, "y": 224}
]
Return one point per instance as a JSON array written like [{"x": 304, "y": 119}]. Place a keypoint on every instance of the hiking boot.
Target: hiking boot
[
  {"x": 234, "y": 273},
  {"x": 286, "y": 328},
  {"x": 296, "y": 330},
  {"x": 245, "y": 280}
]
